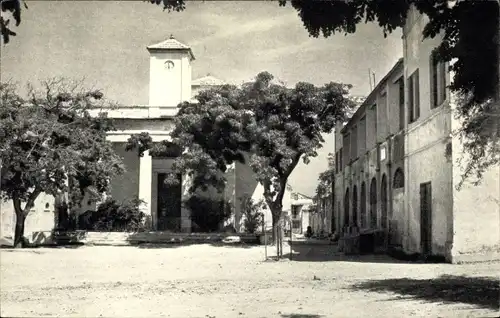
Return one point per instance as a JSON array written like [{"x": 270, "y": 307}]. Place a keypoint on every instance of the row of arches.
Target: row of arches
[{"x": 370, "y": 220}]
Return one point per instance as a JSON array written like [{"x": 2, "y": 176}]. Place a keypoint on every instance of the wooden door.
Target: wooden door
[
  {"x": 169, "y": 204},
  {"x": 426, "y": 218}
]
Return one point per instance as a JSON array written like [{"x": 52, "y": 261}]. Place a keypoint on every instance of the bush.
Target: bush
[
  {"x": 253, "y": 217},
  {"x": 111, "y": 216},
  {"x": 207, "y": 214}
]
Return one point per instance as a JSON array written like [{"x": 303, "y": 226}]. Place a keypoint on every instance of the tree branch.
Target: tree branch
[
  {"x": 292, "y": 166},
  {"x": 31, "y": 200}
]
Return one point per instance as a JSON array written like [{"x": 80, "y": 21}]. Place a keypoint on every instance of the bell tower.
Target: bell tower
[{"x": 169, "y": 73}]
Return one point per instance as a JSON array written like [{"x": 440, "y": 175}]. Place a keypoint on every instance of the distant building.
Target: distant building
[
  {"x": 300, "y": 212},
  {"x": 396, "y": 164}
]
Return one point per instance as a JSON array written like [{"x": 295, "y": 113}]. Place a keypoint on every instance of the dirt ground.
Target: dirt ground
[{"x": 214, "y": 281}]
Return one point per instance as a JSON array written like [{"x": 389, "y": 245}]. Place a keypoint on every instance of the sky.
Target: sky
[{"x": 105, "y": 43}]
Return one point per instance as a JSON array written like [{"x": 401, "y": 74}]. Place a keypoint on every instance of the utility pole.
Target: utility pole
[{"x": 370, "y": 80}]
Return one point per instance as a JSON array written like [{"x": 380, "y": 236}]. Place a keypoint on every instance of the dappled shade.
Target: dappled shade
[{"x": 478, "y": 291}]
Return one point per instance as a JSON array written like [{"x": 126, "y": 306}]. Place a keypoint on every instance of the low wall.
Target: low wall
[
  {"x": 122, "y": 238},
  {"x": 47, "y": 238}
]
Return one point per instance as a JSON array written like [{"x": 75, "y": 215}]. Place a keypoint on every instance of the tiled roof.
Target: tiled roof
[
  {"x": 171, "y": 44},
  {"x": 208, "y": 80}
]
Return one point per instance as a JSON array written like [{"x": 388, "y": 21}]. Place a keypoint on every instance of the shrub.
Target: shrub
[
  {"x": 207, "y": 214},
  {"x": 111, "y": 216},
  {"x": 253, "y": 217}
]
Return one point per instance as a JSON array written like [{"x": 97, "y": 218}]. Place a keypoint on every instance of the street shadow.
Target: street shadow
[
  {"x": 329, "y": 253},
  {"x": 35, "y": 247},
  {"x": 478, "y": 291},
  {"x": 301, "y": 316}
]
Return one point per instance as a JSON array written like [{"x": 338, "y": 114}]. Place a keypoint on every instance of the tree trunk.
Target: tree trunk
[
  {"x": 277, "y": 237},
  {"x": 19, "y": 240},
  {"x": 21, "y": 214}
]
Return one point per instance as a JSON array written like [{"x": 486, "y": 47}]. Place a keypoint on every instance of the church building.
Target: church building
[{"x": 170, "y": 83}]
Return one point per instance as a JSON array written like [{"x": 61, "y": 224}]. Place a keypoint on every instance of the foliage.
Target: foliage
[
  {"x": 50, "y": 143},
  {"x": 208, "y": 214},
  {"x": 252, "y": 212},
  {"x": 111, "y": 216},
  {"x": 14, "y": 8},
  {"x": 325, "y": 181},
  {"x": 266, "y": 125}
]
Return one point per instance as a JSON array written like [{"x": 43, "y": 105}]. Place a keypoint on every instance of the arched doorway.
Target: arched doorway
[
  {"x": 363, "y": 205},
  {"x": 383, "y": 201},
  {"x": 373, "y": 203},
  {"x": 346, "y": 208},
  {"x": 355, "y": 206},
  {"x": 397, "y": 208},
  {"x": 399, "y": 179}
]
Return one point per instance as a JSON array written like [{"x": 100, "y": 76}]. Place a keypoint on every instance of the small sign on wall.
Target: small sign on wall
[{"x": 382, "y": 153}]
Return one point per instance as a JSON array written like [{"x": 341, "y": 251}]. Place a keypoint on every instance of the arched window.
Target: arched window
[
  {"x": 346, "y": 207},
  {"x": 363, "y": 205},
  {"x": 355, "y": 206},
  {"x": 373, "y": 203},
  {"x": 383, "y": 201},
  {"x": 399, "y": 179}
]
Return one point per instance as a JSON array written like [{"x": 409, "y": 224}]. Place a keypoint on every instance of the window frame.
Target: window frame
[
  {"x": 401, "y": 88},
  {"x": 414, "y": 96},
  {"x": 437, "y": 77}
]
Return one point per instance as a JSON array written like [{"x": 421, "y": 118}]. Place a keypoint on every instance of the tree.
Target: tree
[
  {"x": 50, "y": 144},
  {"x": 325, "y": 180},
  {"x": 264, "y": 124},
  {"x": 325, "y": 189}
]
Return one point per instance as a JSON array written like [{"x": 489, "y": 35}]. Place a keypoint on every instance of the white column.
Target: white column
[
  {"x": 145, "y": 182},
  {"x": 185, "y": 213}
]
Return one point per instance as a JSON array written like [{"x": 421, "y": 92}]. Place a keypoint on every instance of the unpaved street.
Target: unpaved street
[{"x": 210, "y": 281}]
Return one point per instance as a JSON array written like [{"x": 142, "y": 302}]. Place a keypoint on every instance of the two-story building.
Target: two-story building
[
  {"x": 397, "y": 166},
  {"x": 371, "y": 138}
]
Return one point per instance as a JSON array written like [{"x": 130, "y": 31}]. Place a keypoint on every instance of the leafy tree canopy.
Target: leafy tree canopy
[
  {"x": 264, "y": 124},
  {"x": 50, "y": 138}
]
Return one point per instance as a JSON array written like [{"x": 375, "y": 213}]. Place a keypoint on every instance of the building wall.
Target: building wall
[
  {"x": 146, "y": 124},
  {"x": 126, "y": 186},
  {"x": 393, "y": 103},
  {"x": 169, "y": 87},
  {"x": 375, "y": 122},
  {"x": 425, "y": 145},
  {"x": 476, "y": 211},
  {"x": 371, "y": 125},
  {"x": 246, "y": 185},
  {"x": 40, "y": 218}
]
